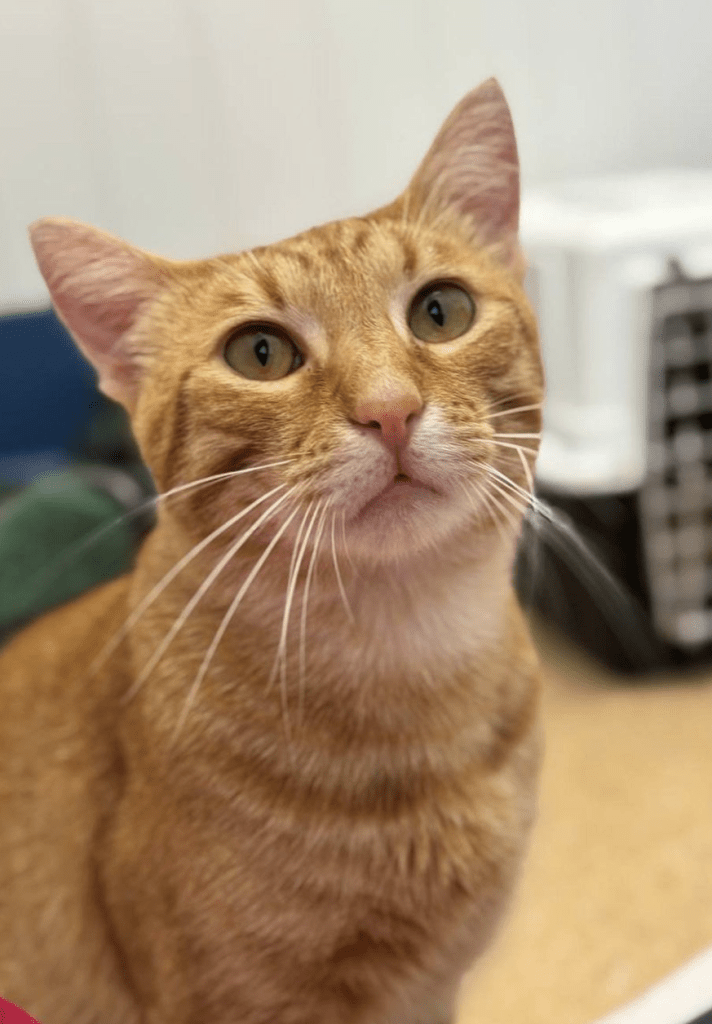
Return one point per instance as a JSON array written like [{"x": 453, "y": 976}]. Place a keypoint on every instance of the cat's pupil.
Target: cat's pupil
[
  {"x": 436, "y": 312},
  {"x": 262, "y": 351}
]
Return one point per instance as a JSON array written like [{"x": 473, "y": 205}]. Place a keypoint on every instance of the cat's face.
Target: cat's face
[
  {"x": 308, "y": 351},
  {"x": 374, "y": 359}
]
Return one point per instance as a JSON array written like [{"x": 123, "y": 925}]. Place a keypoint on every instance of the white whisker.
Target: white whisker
[
  {"x": 484, "y": 504},
  {"x": 475, "y": 496},
  {"x": 201, "y": 591},
  {"x": 227, "y": 618},
  {"x": 215, "y": 479},
  {"x": 507, "y": 444},
  {"x": 343, "y": 541},
  {"x": 524, "y": 501},
  {"x": 50, "y": 572},
  {"x": 516, "y": 410},
  {"x": 528, "y": 499},
  {"x": 339, "y": 580},
  {"x": 280, "y": 665},
  {"x": 305, "y": 609},
  {"x": 494, "y": 492},
  {"x": 506, "y": 512},
  {"x": 528, "y": 496},
  {"x": 158, "y": 589},
  {"x": 290, "y": 577},
  {"x": 527, "y": 470},
  {"x": 518, "y": 504},
  {"x": 524, "y": 437},
  {"x": 511, "y": 398}
]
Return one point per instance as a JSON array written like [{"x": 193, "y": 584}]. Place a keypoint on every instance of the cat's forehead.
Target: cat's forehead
[
  {"x": 347, "y": 263},
  {"x": 352, "y": 277},
  {"x": 356, "y": 247}
]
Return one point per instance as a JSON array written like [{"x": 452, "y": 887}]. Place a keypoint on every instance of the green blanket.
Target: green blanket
[{"x": 64, "y": 534}]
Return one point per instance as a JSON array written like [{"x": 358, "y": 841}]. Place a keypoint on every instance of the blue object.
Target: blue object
[{"x": 46, "y": 393}]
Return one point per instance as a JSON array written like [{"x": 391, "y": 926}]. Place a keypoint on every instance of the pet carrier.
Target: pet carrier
[{"x": 621, "y": 280}]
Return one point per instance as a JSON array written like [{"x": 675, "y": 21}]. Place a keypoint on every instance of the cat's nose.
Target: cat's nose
[{"x": 392, "y": 412}]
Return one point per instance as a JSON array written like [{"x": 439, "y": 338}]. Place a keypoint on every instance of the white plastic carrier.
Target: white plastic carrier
[
  {"x": 621, "y": 279},
  {"x": 597, "y": 251}
]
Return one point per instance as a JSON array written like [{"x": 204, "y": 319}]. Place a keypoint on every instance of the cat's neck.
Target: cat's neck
[
  {"x": 452, "y": 598},
  {"x": 389, "y": 685},
  {"x": 362, "y": 625}
]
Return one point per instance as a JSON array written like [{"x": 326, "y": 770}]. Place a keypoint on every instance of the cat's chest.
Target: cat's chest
[{"x": 363, "y": 820}]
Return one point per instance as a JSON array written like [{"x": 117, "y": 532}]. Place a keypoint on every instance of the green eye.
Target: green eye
[
  {"x": 262, "y": 353},
  {"x": 441, "y": 312}
]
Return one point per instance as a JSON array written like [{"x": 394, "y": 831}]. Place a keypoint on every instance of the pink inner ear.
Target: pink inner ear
[
  {"x": 100, "y": 286},
  {"x": 100, "y": 328},
  {"x": 472, "y": 169}
]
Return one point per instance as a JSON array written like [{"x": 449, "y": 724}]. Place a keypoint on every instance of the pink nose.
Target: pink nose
[{"x": 393, "y": 413}]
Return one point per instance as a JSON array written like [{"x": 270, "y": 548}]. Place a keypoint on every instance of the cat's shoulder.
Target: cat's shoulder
[{"x": 64, "y": 641}]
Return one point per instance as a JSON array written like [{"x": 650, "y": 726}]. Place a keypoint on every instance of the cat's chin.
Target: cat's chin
[
  {"x": 406, "y": 518},
  {"x": 402, "y": 496}
]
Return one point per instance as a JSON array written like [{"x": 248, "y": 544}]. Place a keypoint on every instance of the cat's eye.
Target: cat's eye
[
  {"x": 441, "y": 312},
  {"x": 262, "y": 352}
]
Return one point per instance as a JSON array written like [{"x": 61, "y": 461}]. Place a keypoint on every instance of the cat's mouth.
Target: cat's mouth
[{"x": 402, "y": 489}]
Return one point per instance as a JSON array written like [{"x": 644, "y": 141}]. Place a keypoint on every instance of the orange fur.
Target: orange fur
[{"x": 327, "y": 828}]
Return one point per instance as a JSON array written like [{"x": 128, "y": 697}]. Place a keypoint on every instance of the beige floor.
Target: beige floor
[{"x": 617, "y": 890}]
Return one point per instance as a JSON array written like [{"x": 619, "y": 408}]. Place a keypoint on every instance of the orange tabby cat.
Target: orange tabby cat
[{"x": 283, "y": 772}]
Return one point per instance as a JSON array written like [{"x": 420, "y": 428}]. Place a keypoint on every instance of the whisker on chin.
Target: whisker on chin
[
  {"x": 280, "y": 665},
  {"x": 304, "y": 612},
  {"x": 506, "y": 512},
  {"x": 561, "y": 536},
  {"x": 483, "y": 503},
  {"x": 158, "y": 589},
  {"x": 527, "y": 470},
  {"x": 344, "y": 543},
  {"x": 201, "y": 591},
  {"x": 503, "y": 484},
  {"x": 475, "y": 495},
  {"x": 339, "y": 580},
  {"x": 528, "y": 496},
  {"x": 518, "y": 504},
  {"x": 227, "y": 618},
  {"x": 528, "y": 500},
  {"x": 290, "y": 573}
]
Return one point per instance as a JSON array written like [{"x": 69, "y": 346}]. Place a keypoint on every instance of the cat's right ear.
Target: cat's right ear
[
  {"x": 471, "y": 172},
  {"x": 100, "y": 287}
]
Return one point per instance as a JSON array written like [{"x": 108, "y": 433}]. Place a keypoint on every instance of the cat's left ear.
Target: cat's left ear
[
  {"x": 472, "y": 171},
  {"x": 100, "y": 286}
]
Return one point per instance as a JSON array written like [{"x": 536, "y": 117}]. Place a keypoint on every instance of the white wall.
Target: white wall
[{"x": 195, "y": 126}]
